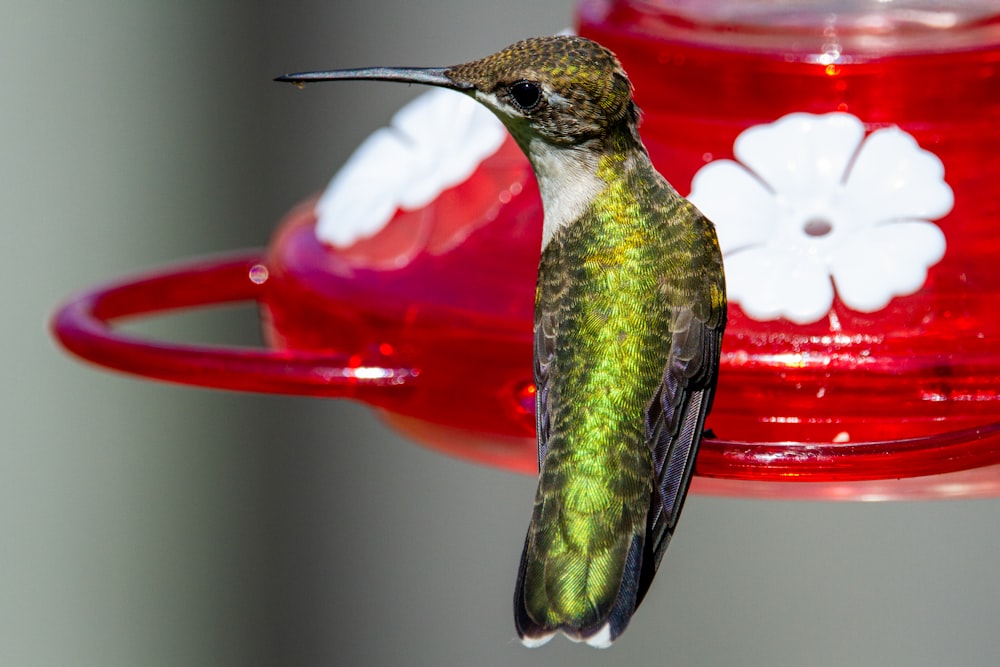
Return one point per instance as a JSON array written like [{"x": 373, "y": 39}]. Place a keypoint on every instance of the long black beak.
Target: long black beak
[{"x": 431, "y": 76}]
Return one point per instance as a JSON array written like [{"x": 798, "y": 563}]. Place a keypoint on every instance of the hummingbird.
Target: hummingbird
[{"x": 630, "y": 308}]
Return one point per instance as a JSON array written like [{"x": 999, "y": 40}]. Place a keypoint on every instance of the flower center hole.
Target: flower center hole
[{"x": 817, "y": 227}]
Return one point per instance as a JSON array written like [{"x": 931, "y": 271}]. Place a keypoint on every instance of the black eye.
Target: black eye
[{"x": 525, "y": 94}]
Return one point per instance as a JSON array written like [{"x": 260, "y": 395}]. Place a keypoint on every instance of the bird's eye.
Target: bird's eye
[{"x": 526, "y": 94}]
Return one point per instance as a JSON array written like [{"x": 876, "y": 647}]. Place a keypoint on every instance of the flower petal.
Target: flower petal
[
  {"x": 450, "y": 134},
  {"x": 769, "y": 283},
  {"x": 441, "y": 119},
  {"x": 801, "y": 154},
  {"x": 876, "y": 264},
  {"x": 359, "y": 202},
  {"x": 894, "y": 179},
  {"x": 434, "y": 142},
  {"x": 742, "y": 208}
]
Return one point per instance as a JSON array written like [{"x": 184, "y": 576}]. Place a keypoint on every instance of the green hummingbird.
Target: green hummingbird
[{"x": 630, "y": 307}]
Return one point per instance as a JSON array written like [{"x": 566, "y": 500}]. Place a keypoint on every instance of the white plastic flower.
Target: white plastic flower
[
  {"x": 813, "y": 199},
  {"x": 433, "y": 143}
]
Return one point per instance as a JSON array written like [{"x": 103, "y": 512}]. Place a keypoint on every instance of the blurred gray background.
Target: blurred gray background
[{"x": 150, "y": 524}]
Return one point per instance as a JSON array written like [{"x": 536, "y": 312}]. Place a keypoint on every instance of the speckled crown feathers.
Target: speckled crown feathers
[{"x": 588, "y": 76}]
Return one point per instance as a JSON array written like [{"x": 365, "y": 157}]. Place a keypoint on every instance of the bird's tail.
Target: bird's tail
[{"x": 558, "y": 593}]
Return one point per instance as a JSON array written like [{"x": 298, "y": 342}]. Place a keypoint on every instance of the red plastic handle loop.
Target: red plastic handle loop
[{"x": 84, "y": 326}]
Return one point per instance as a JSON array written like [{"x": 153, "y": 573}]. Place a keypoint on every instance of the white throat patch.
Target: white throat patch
[{"x": 568, "y": 182}]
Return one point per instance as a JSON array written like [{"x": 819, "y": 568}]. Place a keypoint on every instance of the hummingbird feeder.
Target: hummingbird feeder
[{"x": 850, "y": 162}]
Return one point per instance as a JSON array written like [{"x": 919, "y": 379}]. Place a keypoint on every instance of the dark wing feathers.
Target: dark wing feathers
[
  {"x": 675, "y": 418},
  {"x": 545, "y": 345},
  {"x": 630, "y": 593}
]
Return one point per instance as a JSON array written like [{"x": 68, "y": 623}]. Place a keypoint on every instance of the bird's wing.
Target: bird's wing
[
  {"x": 675, "y": 418},
  {"x": 550, "y": 309},
  {"x": 545, "y": 343}
]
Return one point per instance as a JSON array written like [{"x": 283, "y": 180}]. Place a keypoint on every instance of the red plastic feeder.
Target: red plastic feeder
[{"x": 861, "y": 360}]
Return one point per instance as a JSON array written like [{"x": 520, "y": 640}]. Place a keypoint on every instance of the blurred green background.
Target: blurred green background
[{"x": 150, "y": 524}]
